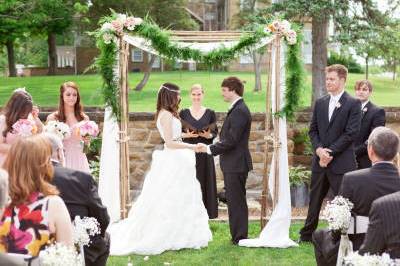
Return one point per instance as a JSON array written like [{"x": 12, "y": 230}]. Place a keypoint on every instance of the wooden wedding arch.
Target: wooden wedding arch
[{"x": 274, "y": 47}]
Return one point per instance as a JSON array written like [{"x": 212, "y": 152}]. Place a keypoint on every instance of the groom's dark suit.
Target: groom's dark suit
[
  {"x": 235, "y": 162},
  {"x": 338, "y": 135},
  {"x": 79, "y": 192}
]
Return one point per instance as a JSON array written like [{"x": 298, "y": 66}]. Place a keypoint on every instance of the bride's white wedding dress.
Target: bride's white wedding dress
[{"x": 169, "y": 214}]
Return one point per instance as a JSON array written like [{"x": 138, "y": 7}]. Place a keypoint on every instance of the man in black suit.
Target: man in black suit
[
  {"x": 383, "y": 233},
  {"x": 79, "y": 192},
  {"x": 235, "y": 158},
  {"x": 372, "y": 116},
  {"x": 362, "y": 187},
  {"x": 334, "y": 127}
]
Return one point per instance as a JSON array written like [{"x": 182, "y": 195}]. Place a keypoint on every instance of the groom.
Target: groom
[{"x": 235, "y": 158}]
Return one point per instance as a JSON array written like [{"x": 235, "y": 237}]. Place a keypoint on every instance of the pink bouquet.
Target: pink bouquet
[
  {"x": 24, "y": 128},
  {"x": 87, "y": 129}
]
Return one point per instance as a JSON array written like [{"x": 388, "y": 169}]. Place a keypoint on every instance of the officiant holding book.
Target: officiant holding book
[{"x": 199, "y": 126}]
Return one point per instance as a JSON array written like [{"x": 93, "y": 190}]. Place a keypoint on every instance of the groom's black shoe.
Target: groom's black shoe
[
  {"x": 305, "y": 239},
  {"x": 221, "y": 196}
]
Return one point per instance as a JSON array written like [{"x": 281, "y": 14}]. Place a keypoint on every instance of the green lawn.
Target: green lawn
[
  {"x": 221, "y": 252},
  {"x": 45, "y": 89}
]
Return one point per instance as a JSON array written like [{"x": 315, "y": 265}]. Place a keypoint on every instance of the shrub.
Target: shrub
[
  {"x": 347, "y": 61},
  {"x": 299, "y": 175},
  {"x": 302, "y": 138}
]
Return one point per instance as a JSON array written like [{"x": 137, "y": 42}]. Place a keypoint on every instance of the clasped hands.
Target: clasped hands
[
  {"x": 200, "y": 147},
  {"x": 204, "y": 133},
  {"x": 324, "y": 157}
]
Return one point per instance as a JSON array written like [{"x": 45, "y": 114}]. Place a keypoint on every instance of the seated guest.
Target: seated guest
[
  {"x": 372, "y": 117},
  {"x": 79, "y": 192},
  {"x": 36, "y": 215},
  {"x": 383, "y": 233},
  {"x": 362, "y": 187},
  {"x": 4, "y": 258}
]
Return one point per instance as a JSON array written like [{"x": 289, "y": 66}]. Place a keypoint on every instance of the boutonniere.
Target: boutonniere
[
  {"x": 338, "y": 105},
  {"x": 365, "y": 109}
]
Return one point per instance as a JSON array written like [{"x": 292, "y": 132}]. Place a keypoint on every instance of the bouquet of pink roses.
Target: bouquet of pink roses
[
  {"x": 24, "y": 128},
  {"x": 87, "y": 129}
]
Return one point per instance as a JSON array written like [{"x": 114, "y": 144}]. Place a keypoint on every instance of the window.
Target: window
[
  {"x": 246, "y": 59},
  {"x": 137, "y": 55},
  {"x": 157, "y": 62}
]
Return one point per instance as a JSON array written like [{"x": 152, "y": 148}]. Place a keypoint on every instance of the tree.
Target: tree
[
  {"x": 167, "y": 14},
  {"x": 49, "y": 18},
  {"x": 366, "y": 45},
  {"x": 13, "y": 25},
  {"x": 247, "y": 20},
  {"x": 346, "y": 15},
  {"x": 389, "y": 46}
]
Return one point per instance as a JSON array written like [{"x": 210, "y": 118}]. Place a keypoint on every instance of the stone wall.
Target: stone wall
[{"x": 144, "y": 138}]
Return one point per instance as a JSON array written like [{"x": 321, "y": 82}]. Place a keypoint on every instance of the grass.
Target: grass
[
  {"x": 221, "y": 252},
  {"x": 45, "y": 89}
]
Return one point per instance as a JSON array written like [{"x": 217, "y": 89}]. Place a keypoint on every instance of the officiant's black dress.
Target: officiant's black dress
[{"x": 205, "y": 168}]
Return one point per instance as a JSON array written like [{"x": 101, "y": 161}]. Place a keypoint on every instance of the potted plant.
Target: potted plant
[{"x": 299, "y": 178}]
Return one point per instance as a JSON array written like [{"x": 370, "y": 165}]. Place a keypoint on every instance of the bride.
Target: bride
[{"x": 169, "y": 214}]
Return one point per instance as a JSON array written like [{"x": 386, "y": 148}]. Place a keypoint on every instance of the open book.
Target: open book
[{"x": 186, "y": 126}]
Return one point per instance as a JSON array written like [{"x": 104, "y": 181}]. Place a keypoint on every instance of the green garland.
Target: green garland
[
  {"x": 106, "y": 63},
  {"x": 160, "y": 41},
  {"x": 294, "y": 78}
]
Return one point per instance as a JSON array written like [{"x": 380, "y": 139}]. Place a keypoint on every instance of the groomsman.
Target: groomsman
[
  {"x": 79, "y": 192},
  {"x": 383, "y": 233},
  {"x": 334, "y": 127},
  {"x": 362, "y": 187},
  {"x": 372, "y": 116},
  {"x": 235, "y": 158}
]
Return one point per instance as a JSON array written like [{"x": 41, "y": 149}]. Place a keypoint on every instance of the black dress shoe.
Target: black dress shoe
[{"x": 305, "y": 239}]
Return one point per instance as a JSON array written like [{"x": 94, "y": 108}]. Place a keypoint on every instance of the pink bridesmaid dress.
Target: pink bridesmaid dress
[{"x": 75, "y": 158}]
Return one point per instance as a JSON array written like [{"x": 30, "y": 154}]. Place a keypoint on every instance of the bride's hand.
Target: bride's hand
[{"x": 200, "y": 147}]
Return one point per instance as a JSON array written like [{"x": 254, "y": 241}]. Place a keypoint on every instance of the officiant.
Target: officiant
[{"x": 199, "y": 126}]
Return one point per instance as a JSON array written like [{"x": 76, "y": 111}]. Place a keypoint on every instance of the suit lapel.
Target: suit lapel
[
  {"x": 367, "y": 106},
  {"x": 234, "y": 106},
  {"x": 325, "y": 111},
  {"x": 230, "y": 111},
  {"x": 337, "y": 109}
]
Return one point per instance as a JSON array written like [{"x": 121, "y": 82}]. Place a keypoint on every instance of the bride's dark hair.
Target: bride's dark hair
[{"x": 167, "y": 99}]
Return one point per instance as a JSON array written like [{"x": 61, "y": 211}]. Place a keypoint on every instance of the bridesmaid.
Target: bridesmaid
[
  {"x": 196, "y": 118},
  {"x": 70, "y": 111},
  {"x": 19, "y": 106}
]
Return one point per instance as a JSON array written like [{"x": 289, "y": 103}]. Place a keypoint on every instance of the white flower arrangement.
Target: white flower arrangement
[
  {"x": 338, "y": 214},
  {"x": 355, "y": 259},
  {"x": 59, "y": 255},
  {"x": 109, "y": 30},
  {"x": 282, "y": 27},
  {"x": 84, "y": 228},
  {"x": 59, "y": 129}
]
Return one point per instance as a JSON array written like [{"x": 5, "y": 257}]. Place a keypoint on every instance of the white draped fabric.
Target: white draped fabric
[
  {"x": 109, "y": 166},
  {"x": 276, "y": 232},
  {"x": 206, "y": 47}
]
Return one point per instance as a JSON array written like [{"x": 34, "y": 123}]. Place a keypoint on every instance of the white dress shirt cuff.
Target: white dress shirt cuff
[{"x": 208, "y": 150}]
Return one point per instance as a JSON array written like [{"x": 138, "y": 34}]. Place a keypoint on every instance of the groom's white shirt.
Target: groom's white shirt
[{"x": 232, "y": 104}]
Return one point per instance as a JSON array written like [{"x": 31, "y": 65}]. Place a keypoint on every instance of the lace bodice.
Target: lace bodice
[{"x": 176, "y": 127}]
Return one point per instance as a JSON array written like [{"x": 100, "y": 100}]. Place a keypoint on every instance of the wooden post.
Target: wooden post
[
  {"x": 123, "y": 125},
  {"x": 265, "y": 186},
  {"x": 276, "y": 118}
]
